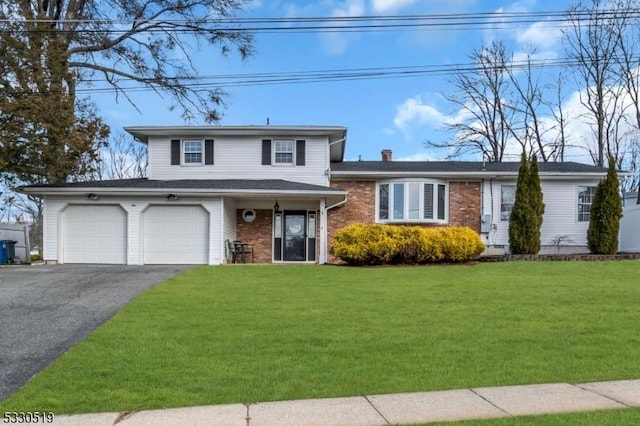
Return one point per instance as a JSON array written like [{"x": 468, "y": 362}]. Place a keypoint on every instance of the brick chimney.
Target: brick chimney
[{"x": 386, "y": 154}]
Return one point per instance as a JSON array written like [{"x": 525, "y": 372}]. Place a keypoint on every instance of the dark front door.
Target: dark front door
[{"x": 295, "y": 236}]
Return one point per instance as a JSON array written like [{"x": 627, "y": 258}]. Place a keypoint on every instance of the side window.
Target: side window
[
  {"x": 507, "y": 198},
  {"x": 585, "y": 198}
]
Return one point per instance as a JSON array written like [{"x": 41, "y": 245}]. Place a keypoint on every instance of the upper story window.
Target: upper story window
[
  {"x": 507, "y": 199},
  {"x": 192, "y": 151},
  {"x": 585, "y": 198},
  {"x": 412, "y": 201},
  {"x": 283, "y": 151}
]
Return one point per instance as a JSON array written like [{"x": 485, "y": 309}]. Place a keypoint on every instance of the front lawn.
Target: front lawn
[{"x": 256, "y": 333}]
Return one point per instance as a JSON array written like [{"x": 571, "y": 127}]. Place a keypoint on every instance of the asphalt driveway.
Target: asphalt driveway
[{"x": 44, "y": 310}]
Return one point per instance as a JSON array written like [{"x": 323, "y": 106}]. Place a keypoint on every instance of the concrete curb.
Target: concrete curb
[{"x": 406, "y": 408}]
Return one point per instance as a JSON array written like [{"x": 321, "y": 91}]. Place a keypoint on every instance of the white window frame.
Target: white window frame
[
  {"x": 407, "y": 201},
  {"x": 578, "y": 203},
  {"x": 275, "y": 152},
  {"x": 502, "y": 203},
  {"x": 183, "y": 152}
]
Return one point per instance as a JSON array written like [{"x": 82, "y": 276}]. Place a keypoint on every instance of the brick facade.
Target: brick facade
[
  {"x": 464, "y": 206},
  {"x": 258, "y": 234},
  {"x": 464, "y": 210}
]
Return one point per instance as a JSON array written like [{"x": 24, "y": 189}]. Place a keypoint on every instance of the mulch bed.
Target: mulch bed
[{"x": 558, "y": 257}]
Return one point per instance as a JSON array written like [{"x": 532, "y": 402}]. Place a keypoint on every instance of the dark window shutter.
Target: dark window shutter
[
  {"x": 266, "y": 152},
  {"x": 208, "y": 151},
  {"x": 300, "y": 145},
  {"x": 175, "y": 152}
]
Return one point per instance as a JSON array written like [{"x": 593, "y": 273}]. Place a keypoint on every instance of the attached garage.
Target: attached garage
[
  {"x": 94, "y": 234},
  {"x": 176, "y": 235}
]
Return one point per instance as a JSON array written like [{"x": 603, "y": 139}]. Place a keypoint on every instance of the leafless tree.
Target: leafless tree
[
  {"x": 560, "y": 142},
  {"x": 120, "y": 158},
  {"x": 527, "y": 103},
  {"x": 480, "y": 99},
  {"x": 593, "y": 47}
]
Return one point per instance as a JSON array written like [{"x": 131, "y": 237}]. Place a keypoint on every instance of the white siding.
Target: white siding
[
  {"x": 51, "y": 226},
  {"x": 228, "y": 222},
  {"x": 241, "y": 158},
  {"x": 214, "y": 207},
  {"x": 629, "y": 226},
  {"x": 560, "y": 221}
]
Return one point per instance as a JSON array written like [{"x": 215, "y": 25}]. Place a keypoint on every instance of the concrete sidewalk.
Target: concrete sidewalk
[{"x": 407, "y": 408}]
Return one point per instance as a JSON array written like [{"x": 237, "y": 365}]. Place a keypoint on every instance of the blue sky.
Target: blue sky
[{"x": 395, "y": 113}]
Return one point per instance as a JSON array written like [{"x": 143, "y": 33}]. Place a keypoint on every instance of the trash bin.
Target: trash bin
[{"x": 7, "y": 251}]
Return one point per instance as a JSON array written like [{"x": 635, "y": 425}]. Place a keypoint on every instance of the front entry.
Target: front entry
[{"x": 294, "y": 236}]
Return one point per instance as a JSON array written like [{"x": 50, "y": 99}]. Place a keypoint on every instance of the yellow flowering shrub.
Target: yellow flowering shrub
[{"x": 376, "y": 244}]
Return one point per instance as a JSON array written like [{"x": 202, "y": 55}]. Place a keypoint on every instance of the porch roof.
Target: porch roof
[{"x": 203, "y": 187}]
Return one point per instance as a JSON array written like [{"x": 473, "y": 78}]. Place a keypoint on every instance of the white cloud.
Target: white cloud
[
  {"x": 387, "y": 5},
  {"x": 541, "y": 35},
  {"x": 415, "y": 111}
]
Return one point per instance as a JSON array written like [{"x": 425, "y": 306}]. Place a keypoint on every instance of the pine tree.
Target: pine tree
[
  {"x": 521, "y": 211},
  {"x": 528, "y": 209},
  {"x": 606, "y": 211},
  {"x": 537, "y": 204}
]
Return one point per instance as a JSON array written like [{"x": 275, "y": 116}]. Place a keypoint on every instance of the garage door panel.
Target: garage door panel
[
  {"x": 176, "y": 235},
  {"x": 94, "y": 234}
]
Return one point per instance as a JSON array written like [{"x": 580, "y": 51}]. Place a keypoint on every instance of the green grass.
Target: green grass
[
  {"x": 257, "y": 333},
  {"x": 622, "y": 417}
]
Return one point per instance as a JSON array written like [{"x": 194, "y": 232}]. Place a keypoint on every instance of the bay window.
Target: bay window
[{"x": 412, "y": 201}]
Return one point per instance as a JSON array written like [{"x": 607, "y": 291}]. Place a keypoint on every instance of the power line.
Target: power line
[{"x": 462, "y": 21}]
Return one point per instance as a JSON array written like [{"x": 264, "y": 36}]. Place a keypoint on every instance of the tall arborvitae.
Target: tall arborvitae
[
  {"x": 521, "y": 213},
  {"x": 606, "y": 211},
  {"x": 528, "y": 209},
  {"x": 537, "y": 204}
]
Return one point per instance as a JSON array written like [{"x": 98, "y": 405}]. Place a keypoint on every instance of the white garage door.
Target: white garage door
[
  {"x": 94, "y": 234},
  {"x": 176, "y": 235}
]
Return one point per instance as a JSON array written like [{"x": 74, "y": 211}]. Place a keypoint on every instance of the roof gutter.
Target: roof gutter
[
  {"x": 182, "y": 191},
  {"x": 474, "y": 175}
]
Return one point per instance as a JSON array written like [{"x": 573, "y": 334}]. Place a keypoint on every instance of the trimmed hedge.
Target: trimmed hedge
[{"x": 374, "y": 244}]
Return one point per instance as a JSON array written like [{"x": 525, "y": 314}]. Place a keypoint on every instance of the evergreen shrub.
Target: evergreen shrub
[
  {"x": 605, "y": 214},
  {"x": 376, "y": 244}
]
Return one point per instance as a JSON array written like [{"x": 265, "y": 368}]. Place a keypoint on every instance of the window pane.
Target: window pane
[
  {"x": 428, "y": 201},
  {"x": 507, "y": 198},
  {"x": 311, "y": 229},
  {"x": 585, "y": 198},
  {"x": 414, "y": 200},
  {"x": 398, "y": 200},
  {"x": 441, "y": 199},
  {"x": 383, "y": 208},
  {"x": 283, "y": 152},
  {"x": 192, "y": 152}
]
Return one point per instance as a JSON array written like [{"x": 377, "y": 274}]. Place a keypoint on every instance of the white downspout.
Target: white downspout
[{"x": 324, "y": 236}]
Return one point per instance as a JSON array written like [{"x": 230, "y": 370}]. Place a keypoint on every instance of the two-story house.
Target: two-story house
[{"x": 285, "y": 190}]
